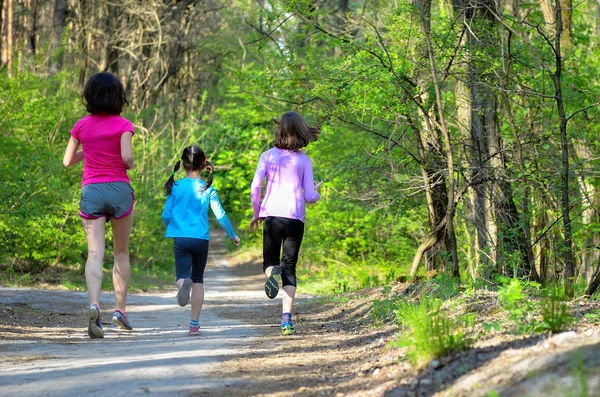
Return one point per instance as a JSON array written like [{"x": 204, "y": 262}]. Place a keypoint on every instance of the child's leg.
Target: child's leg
[
  {"x": 291, "y": 247},
  {"x": 273, "y": 234},
  {"x": 121, "y": 229},
  {"x": 183, "y": 251},
  {"x": 197, "y": 300},
  {"x": 289, "y": 294},
  {"x": 199, "y": 258},
  {"x": 94, "y": 234}
]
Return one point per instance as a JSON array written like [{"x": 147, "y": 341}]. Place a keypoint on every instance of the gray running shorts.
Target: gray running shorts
[{"x": 109, "y": 199}]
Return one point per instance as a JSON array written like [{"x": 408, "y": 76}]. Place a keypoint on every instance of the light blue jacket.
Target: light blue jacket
[{"x": 186, "y": 210}]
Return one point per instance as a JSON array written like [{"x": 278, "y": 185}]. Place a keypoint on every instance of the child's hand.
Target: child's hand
[
  {"x": 318, "y": 185},
  {"x": 255, "y": 224},
  {"x": 236, "y": 240}
]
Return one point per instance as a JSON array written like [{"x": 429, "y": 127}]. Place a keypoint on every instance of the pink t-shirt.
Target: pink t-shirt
[{"x": 100, "y": 137}]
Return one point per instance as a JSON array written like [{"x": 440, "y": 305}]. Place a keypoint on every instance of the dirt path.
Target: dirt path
[
  {"x": 157, "y": 357},
  {"x": 45, "y": 351}
]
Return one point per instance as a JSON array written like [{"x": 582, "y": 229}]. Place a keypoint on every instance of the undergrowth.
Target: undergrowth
[{"x": 434, "y": 318}]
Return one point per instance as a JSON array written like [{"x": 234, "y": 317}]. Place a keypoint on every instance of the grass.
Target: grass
[
  {"x": 430, "y": 332},
  {"x": 72, "y": 278}
]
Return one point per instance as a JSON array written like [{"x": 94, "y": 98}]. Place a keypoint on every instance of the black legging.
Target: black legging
[
  {"x": 278, "y": 231},
  {"x": 191, "y": 255}
]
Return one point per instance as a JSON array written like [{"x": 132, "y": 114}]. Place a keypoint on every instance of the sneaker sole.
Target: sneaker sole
[
  {"x": 288, "y": 332},
  {"x": 271, "y": 287},
  {"x": 194, "y": 333},
  {"x": 93, "y": 330},
  {"x": 121, "y": 324},
  {"x": 183, "y": 295}
]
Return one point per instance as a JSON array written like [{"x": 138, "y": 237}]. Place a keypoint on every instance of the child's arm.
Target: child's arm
[
  {"x": 256, "y": 186},
  {"x": 72, "y": 155},
  {"x": 166, "y": 215},
  {"x": 311, "y": 195},
  {"x": 127, "y": 149},
  {"x": 221, "y": 216}
]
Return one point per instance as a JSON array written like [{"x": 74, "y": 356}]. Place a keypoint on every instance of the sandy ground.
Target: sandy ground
[{"x": 45, "y": 350}]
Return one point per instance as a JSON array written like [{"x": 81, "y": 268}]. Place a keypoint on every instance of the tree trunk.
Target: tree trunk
[
  {"x": 524, "y": 231},
  {"x": 33, "y": 31},
  {"x": 566, "y": 31},
  {"x": 110, "y": 54},
  {"x": 2, "y": 20},
  {"x": 431, "y": 158},
  {"x": 424, "y": 7},
  {"x": 59, "y": 21},
  {"x": 9, "y": 35},
  {"x": 594, "y": 281},
  {"x": 591, "y": 202},
  {"x": 564, "y": 144},
  {"x": 566, "y": 15}
]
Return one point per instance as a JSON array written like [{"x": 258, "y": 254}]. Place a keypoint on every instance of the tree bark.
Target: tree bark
[
  {"x": 2, "y": 20},
  {"x": 549, "y": 10},
  {"x": 594, "y": 281},
  {"x": 448, "y": 221},
  {"x": 33, "y": 31},
  {"x": 564, "y": 145},
  {"x": 431, "y": 160},
  {"x": 9, "y": 35},
  {"x": 59, "y": 20}
]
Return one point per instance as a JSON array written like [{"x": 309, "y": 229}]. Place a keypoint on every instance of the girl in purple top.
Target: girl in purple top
[
  {"x": 105, "y": 138},
  {"x": 289, "y": 175}
]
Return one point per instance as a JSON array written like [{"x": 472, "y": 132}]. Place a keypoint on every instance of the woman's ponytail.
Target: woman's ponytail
[
  {"x": 208, "y": 166},
  {"x": 171, "y": 180}
]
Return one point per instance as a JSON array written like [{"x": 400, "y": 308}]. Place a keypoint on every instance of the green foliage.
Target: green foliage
[
  {"x": 554, "y": 308},
  {"x": 520, "y": 309},
  {"x": 431, "y": 333},
  {"x": 593, "y": 317},
  {"x": 525, "y": 312},
  {"x": 34, "y": 187}
]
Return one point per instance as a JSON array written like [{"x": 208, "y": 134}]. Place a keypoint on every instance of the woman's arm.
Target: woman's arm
[
  {"x": 72, "y": 155},
  {"x": 257, "y": 184},
  {"x": 127, "y": 149},
  {"x": 311, "y": 195}
]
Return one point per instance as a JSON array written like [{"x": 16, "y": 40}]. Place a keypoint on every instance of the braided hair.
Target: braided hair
[{"x": 193, "y": 159}]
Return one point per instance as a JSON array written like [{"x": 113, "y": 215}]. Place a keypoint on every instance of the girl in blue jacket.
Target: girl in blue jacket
[{"x": 186, "y": 216}]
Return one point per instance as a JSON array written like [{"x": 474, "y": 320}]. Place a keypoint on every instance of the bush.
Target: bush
[{"x": 431, "y": 333}]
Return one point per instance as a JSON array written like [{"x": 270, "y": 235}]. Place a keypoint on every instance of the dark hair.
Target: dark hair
[
  {"x": 193, "y": 159},
  {"x": 293, "y": 132},
  {"x": 104, "y": 93}
]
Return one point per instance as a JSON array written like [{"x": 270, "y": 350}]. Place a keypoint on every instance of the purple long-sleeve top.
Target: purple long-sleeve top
[{"x": 290, "y": 183}]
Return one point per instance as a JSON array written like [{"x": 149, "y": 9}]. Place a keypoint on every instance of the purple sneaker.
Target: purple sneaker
[
  {"x": 120, "y": 318},
  {"x": 194, "y": 331},
  {"x": 94, "y": 322}
]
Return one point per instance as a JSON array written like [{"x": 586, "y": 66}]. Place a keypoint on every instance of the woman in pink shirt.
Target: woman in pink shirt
[
  {"x": 290, "y": 183},
  {"x": 106, "y": 195}
]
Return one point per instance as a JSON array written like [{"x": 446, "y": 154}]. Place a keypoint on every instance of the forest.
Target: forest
[
  {"x": 459, "y": 138},
  {"x": 459, "y": 217}
]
